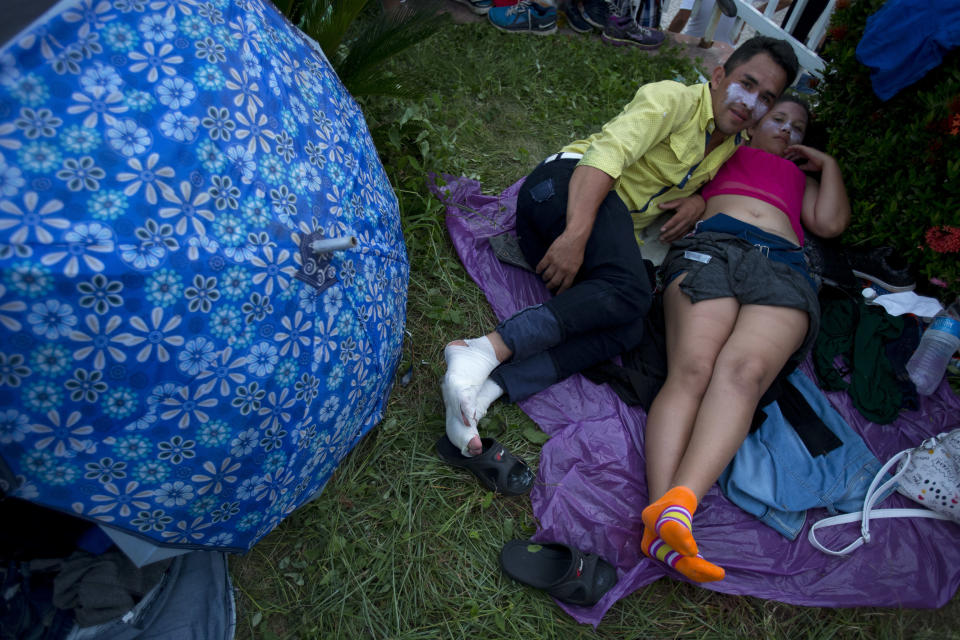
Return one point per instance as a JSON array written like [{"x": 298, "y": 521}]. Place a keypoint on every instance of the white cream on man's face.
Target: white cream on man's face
[
  {"x": 736, "y": 94},
  {"x": 759, "y": 76}
]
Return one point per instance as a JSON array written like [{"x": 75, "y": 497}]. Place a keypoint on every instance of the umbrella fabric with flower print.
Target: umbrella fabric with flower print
[{"x": 175, "y": 359}]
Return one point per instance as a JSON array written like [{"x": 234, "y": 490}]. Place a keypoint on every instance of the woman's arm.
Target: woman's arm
[{"x": 826, "y": 209}]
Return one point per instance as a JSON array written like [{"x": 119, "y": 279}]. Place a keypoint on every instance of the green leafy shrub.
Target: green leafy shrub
[
  {"x": 359, "y": 38},
  {"x": 900, "y": 158}
]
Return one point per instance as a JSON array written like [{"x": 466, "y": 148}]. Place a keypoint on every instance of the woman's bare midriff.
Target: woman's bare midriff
[{"x": 760, "y": 214}]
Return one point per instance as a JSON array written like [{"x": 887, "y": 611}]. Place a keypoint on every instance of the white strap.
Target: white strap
[{"x": 873, "y": 494}]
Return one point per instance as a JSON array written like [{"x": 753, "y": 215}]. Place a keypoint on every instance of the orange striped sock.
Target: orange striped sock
[
  {"x": 671, "y": 518},
  {"x": 695, "y": 567}
]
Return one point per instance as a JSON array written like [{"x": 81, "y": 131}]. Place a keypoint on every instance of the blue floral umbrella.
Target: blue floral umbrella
[{"x": 202, "y": 274}]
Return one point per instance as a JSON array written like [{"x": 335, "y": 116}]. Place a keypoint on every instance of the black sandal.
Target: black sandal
[
  {"x": 561, "y": 571},
  {"x": 497, "y": 469}
]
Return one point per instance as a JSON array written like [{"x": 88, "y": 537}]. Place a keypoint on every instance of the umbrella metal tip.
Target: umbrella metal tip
[{"x": 326, "y": 245}]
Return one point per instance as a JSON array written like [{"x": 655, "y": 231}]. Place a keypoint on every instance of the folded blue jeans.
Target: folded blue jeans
[{"x": 774, "y": 477}]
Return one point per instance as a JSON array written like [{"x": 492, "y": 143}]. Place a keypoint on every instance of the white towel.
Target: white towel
[{"x": 903, "y": 302}]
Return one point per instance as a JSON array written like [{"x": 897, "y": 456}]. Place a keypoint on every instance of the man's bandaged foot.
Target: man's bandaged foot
[
  {"x": 465, "y": 436},
  {"x": 465, "y": 394},
  {"x": 489, "y": 392}
]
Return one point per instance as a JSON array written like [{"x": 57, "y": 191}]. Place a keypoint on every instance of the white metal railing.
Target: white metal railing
[{"x": 764, "y": 24}]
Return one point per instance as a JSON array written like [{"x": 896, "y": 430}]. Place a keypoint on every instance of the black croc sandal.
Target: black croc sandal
[
  {"x": 496, "y": 468},
  {"x": 561, "y": 571}
]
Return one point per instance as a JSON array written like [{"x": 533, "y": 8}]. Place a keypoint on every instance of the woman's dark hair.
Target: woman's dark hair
[
  {"x": 815, "y": 135},
  {"x": 781, "y": 52},
  {"x": 794, "y": 98}
]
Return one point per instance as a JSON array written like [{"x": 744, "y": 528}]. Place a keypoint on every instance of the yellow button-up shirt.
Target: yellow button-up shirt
[{"x": 654, "y": 148}]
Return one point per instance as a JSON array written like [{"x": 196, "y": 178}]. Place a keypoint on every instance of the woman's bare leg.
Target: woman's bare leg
[
  {"x": 763, "y": 338},
  {"x": 695, "y": 335}
]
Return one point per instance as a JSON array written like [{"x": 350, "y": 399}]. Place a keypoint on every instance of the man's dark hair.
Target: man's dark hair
[{"x": 781, "y": 52}]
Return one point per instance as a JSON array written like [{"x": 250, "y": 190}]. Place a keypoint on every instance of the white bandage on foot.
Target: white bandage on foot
[
  {"x": 489, "y": 391},
  {"x": 470, "y": 364},
  {"x": 460, "y": 434},
  {"x": 467, "y": 369}
]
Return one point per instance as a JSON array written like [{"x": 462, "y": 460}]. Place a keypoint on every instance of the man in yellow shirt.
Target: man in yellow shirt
[{"x": 577, "y": 215}]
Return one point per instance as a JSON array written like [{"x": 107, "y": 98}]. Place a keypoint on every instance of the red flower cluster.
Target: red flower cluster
[
  {"x": 933, "y": 151},
  {"x": 949, "y": 125},
  {"x": 838, "y": 32},
  {"x": 943, "y": 239}
]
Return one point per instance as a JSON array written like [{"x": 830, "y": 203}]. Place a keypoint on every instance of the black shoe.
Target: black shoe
[
  {"x": 727, "y": 8},
  {"x": 573, "y": 11},
  {"x": 828, "y": 263},
  {"x": 596, "y": 12},
  {"x": 562, "y": 571},
  {"x": 882, "y": 267}
]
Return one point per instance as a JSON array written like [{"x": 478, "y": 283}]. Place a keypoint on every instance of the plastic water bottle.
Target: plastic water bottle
[{"x": 941, "y": 339}]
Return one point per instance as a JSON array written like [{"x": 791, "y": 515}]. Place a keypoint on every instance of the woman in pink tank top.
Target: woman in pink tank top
[{"x": 739, "y": 306}]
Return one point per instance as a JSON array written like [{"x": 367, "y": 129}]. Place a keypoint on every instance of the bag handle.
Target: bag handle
[{"x": 873, "y": 494}]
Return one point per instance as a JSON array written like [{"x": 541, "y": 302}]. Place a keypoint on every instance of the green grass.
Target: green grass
[{"x": 402, "y": 546}]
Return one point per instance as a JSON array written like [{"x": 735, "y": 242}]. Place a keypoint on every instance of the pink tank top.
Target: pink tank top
[{"x": 764, "y": 176}]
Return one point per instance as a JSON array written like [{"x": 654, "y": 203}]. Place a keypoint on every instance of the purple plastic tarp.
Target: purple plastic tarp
[{"x": 591, "y": 484}]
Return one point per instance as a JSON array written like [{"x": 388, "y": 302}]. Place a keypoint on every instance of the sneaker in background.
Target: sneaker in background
[
  {"x": 882, "y": 267},
  {"x": 524, "y": 17},
  {"x": 625, "y": 31},
  {"x": 479, "y": 7},
  {"x": 827, "y": 263},
  {"x": 573, "y": 11},
  {"x": 727, "y": 8},
  {"x": 596, "y": 12}
]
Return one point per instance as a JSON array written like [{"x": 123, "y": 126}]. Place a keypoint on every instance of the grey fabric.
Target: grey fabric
[
  {"x": 99, "y": 588},
  {"x": 740, "y": 270},
  {"x": 194, "y": 601}
]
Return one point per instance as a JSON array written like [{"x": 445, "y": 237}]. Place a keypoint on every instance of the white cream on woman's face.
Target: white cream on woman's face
[
  {"x": 785, "y": 125},
  {"x": 794, "y": 129}
]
